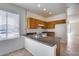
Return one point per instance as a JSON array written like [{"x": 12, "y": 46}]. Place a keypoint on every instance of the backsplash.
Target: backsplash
[
  {"x": 33, "y": 30},
  {"x": 50, "y": 30}
]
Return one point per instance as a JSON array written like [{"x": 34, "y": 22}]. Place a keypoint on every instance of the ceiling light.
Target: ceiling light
[
  {"x": 50, "y": 13},
  {"x": 44, "y": 9},
  {"x": 39, "y": 5}
]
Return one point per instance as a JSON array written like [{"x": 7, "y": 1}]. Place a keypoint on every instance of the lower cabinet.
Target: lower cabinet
[{"x": 38, "y": 48}]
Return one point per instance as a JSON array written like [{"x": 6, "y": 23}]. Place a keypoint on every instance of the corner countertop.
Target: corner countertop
[{"x": 50, "y": 41}]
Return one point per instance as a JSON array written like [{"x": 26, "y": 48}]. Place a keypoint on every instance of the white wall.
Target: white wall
[
  {"x": 74, "y": 28},
  {"x": 56, "y": 17},
  {"x": 36, "y": 16},
  {"x": 73, "y": 14},
  {"x": 73, "y": 18},
  {"x": 11, "y": 45}
]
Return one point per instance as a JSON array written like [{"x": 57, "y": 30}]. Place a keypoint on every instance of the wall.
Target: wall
[
  {"x": 33, "y": 15},
  {"x": 73, "y": 18},
  {"x": 74, "y": 28},
  {"x": 14, "y": 44},
  {"x": 73, "y": 14},
  {"x": 56, "y": 17}
]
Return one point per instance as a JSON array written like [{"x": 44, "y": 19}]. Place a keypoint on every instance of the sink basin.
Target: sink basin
[{"x": 38, "y": 36}]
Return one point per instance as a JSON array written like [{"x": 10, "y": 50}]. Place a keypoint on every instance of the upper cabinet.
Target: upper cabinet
[
  {"x": 59, "y": 21},
  {"x": 51, "y": 24},
  {"x": 33, "y": 23}
]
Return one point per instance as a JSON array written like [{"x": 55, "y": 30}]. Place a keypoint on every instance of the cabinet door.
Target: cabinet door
[
  {"x": 32, "y": 23},
  {"x": 50, "y": 25},
  {"x": 40, "y": 22},
  {"x": 50, "y": 34},
  {"x": 39, "y": 49}
]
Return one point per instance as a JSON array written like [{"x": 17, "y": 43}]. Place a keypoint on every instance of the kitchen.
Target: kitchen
[
  {"x": 44, "y": 36},
  {"x": 42, "y": 31},
  {"x": 36, "y": 25}
]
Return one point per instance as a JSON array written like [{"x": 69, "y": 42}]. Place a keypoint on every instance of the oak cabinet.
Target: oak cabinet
[
  {"x": 59, "y": 21},
  {"x": 49, "y": 25},
  {"x": 51, "y": 34},
  {"x": 40, "y": 22},
  {"x": 33, "y": 23}
]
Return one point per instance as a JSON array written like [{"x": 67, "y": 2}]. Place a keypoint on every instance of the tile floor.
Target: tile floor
[
  {"x": 72, "y": 47},
  {"x": 20, "y": 52}
]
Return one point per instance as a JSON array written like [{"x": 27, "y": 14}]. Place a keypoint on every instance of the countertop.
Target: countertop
[{"x": 50, "y": 41}]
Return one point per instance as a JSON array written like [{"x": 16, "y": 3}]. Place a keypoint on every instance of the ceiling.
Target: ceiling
[{"x": 51, "y": 8}]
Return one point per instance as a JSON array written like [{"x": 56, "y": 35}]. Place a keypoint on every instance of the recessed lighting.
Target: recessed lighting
[
  {"x": 50, "y": 13},
  {"x": 39, "y": 5},
  {"x": 44, "y": 9}
]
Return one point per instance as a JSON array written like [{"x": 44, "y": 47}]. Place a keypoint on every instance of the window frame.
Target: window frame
[{"x": 7, "y": 25}]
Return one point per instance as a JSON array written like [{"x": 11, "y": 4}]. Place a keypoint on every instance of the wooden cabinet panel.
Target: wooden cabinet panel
[
  {"x": 51, "y": 34},
  {"x": 33, "y": 23},
  {"x": 42, "y": 23},
  {"x": 49, "y": 25},
  {"x": 59, "y": 22}
]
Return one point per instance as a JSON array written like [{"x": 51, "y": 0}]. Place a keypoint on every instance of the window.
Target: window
[
  {"x": 9, "y": 25},
  {"x": 2, "y": 24}
]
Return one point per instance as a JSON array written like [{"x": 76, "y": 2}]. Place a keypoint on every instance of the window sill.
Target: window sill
[{"x": 8, "y": 39}]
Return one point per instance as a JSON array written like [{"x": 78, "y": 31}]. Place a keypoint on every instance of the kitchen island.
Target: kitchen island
[{"x": 45, "y": 46}]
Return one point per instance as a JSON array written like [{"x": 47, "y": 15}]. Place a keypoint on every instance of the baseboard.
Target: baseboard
[{"x": 30, "y": 51}]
